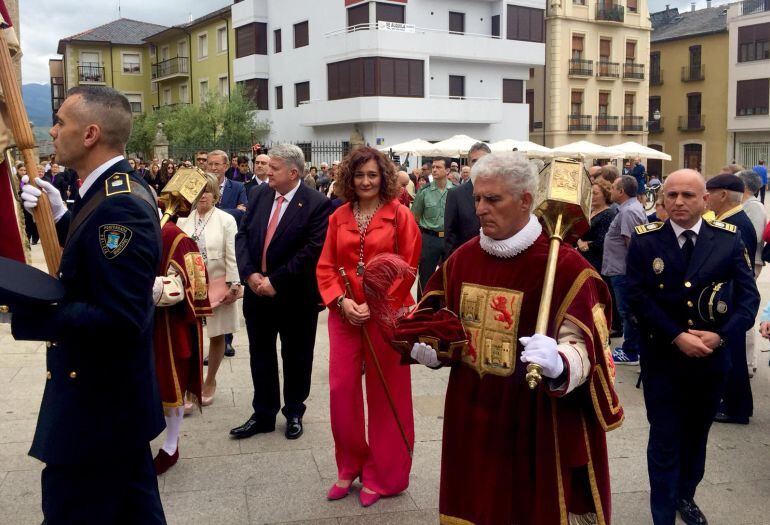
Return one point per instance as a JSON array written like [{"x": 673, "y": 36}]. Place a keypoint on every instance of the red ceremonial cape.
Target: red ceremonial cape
[
  {"x": 178, "y": 337},
  {"x": 11, "y": 243},
  {"x": 512, "y": 455}
]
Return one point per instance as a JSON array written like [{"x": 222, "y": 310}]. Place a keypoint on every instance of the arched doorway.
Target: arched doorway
[
  {"x": 655, "y": 167},
  {"x": 693, "y": 156}
]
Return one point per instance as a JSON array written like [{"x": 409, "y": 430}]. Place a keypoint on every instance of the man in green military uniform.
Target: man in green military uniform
[{"x": 428, "y": 209}]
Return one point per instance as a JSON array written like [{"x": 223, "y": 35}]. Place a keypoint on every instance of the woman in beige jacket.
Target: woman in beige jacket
[{"x": 214, "y": 231}]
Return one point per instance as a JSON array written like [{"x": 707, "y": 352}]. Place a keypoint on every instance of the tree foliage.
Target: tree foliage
[{"x": 217, "y": 123}]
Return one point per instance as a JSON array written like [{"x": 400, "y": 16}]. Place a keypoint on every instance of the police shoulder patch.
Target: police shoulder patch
[
  {"x": 722, "y": 226},
  {"x": 649, "y": 227},
  {"x": 116, "y": 184},
  {"x": 113, "y": 239}
]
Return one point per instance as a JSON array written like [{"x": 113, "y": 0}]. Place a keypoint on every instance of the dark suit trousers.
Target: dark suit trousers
[
  {"x": 681, "y": 404},
  {"x": 738, "y": 400},
  {"x": 430, "y": 257},
  {"x": 267, "y": 319},
  {"x": 122, "y": 490}
]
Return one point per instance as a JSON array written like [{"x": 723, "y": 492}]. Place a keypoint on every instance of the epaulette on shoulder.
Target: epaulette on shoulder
[
  {"x": 649, "y": 227},
  {"x": 722, "y": 226},
  {"x": 116, "y": 184}
]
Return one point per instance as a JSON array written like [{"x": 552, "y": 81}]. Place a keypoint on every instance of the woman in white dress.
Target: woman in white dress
[{"x": 214, "y": 231}]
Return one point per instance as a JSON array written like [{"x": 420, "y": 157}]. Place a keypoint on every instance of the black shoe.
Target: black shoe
[
  {"x": 206, "y": 361},
  {"x": 293, "y": 427},
  {"x": 690, "y": 513},
  {"x": 722, "y": 417},
  {"x": 252, "y": 427},
  {"x": 229, "y": 351}
]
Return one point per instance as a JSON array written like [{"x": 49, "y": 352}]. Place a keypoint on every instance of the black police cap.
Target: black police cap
[
  {"x": 715, "y": 303},
  {"x": 725, "y": 181},
  {"x": 22, "y": 285}
]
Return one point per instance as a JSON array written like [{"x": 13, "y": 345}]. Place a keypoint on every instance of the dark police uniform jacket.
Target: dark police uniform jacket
[
  {"x": 668, "y": 298},
  {"x": 100, "y": 368}
]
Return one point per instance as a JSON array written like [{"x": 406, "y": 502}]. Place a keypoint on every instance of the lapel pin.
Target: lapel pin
[{"x": 299, "y": 204}]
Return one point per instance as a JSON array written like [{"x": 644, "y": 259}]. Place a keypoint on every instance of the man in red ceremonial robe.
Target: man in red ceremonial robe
[
  {"x": 181, "y": 298},
  {"x": 512, "y": 455}
]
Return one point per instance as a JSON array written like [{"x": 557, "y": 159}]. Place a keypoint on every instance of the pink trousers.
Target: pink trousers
[{"x": 382, "y": 461}]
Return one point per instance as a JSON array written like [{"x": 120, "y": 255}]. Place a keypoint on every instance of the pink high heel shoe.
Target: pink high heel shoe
[
  {"x": 367, "y": 499},
  {"x": 337, "y": 492}
]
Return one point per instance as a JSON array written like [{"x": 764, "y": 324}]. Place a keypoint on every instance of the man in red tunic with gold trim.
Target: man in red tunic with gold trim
[
  {"x": 181, "y": 298},
  {"x": 512, "y": 455}
]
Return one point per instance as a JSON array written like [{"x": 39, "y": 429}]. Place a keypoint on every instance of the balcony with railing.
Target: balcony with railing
[
  {"x": 607, "y": 12},
  {"x": 579, "y": 123},
  {"x": 89, "y": 73},
  {"x": 633, "y": 71},
  {"x": 754, "y": 6},
  {"x": 633, "y": 124},
  {"x": 692, "y": 123},
  {"x": 693, "y": 73},
  {"x": 170, "y": 68},
  {"x": 607, "y": 70},
  {"x": 606, "y": 123},
  {"x": 656, "y": 77},
  {"x": 581, "y": 68},
  {"x": 655, "y": 126}
]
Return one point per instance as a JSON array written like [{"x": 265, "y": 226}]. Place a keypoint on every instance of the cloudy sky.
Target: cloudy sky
[{"x": 45, "y": 22}]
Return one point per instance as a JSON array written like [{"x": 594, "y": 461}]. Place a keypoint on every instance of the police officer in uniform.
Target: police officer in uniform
[
  {"x": 101, "y": 406},
  {"x": 692, "y": 293}
]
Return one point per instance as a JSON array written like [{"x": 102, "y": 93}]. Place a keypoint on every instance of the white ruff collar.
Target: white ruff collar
[{"x": 512, "y": 246}]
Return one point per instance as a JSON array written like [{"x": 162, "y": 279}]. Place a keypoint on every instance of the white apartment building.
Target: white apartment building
[
  {"x": 390, "y": 70},
  {"x": 748, "y": 119}
]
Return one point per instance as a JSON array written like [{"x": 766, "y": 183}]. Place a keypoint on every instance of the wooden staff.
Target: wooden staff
[
  {"x": 25, "y": 141},
  {"x": 370, "y": 346}
]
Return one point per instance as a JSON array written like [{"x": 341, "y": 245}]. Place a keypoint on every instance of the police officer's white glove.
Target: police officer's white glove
[
  {"x": 30, "y": 194},
  {"x": 157, "y": 289},
  {"x": 425, "y": 355},
  {"x": 542, "y": 350}
]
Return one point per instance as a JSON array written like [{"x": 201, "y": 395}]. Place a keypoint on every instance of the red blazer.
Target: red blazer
[{"x": 392, "y": 229}]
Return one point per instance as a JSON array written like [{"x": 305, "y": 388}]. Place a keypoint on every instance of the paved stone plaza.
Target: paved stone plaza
[{"x": 268, "y": 479}]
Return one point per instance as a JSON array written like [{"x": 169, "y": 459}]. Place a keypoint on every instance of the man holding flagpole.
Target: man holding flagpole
[{"x": 101, "y": 405}]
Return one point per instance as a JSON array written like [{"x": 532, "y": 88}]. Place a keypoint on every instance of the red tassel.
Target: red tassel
[{"x": 381, "y": 273}]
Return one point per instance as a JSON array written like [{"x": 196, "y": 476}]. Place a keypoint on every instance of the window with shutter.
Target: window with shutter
[
  {"x": 525, "y": 23},
  {"x": 402, "y": 78},
  {"x": 630, "y": 51},
  {"x": 387, "y": 76},
  {"x": 358, "y": 16},
  {"x": 370, "y": 76},
  {"x": 301, "y": 34},
  {"x": 277, "y": 41},
  {"x": 496, "y": 25},
  {"x": 375, "y": 76},
  {"x": 604, "y": 102},
  {"x": 513, "y": 90},
  {"x": 245, "y": 41},
  {"x": 628, "y": 107},
  {"x": 752, "y": 97},
  {"x": 279, "y": 97},
  {"x": 754, "y": 42},
  {"x": 390, "y": 13},
  {"x": 456, "y": 23},
  {"x": 631, "y": 6},
  {"x": 577, "y": 47},
  {"x": 456, "y": 86},
  {"x": 605, "y": 49},
  {"x": 301, "y": 93},
  {"x": 577, "y": 103},
  {"x": 261, "y": 36},
  {"x": 262, "y": 96}
]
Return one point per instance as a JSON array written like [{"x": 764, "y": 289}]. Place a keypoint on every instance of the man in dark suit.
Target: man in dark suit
[
  {"x": 260, "y": 173},
  {"x": 460, "y": 221},
  {"x": 725, "y": 200},
  {"x": 233, "y": 200},
  {"x": 234, "y": 197},
  {"x": 101, "y": 406},
  {"x": 278, "y": 246},
  {"x": 678, "y": 274}
]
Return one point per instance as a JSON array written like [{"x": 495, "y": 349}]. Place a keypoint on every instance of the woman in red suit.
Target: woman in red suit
[{"x": 371, "y": 222}]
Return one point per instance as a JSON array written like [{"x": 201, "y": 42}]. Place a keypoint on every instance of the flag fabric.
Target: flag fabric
[{"x": 11, "y": 237}]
